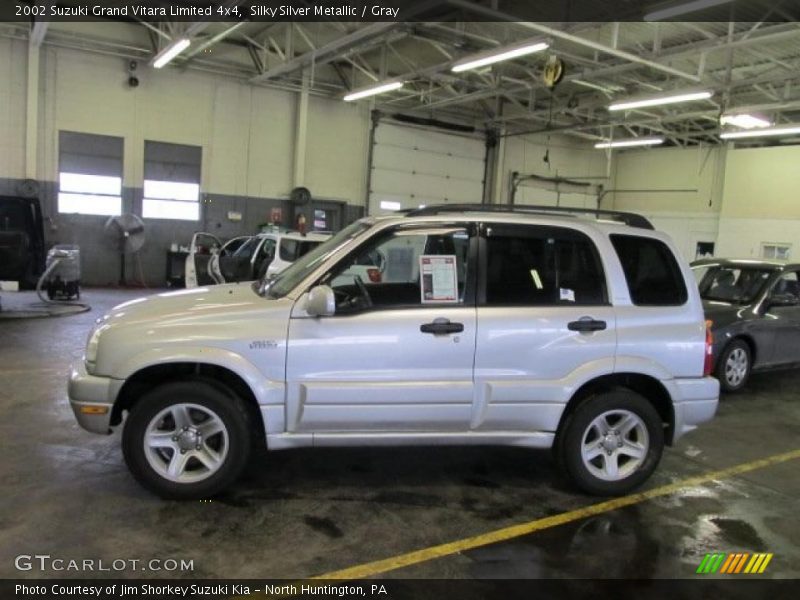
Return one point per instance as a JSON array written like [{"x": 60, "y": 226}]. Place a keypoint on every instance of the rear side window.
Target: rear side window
[
  {"x": 542, "y": 266},
  {"x": 652, "y": 273}
]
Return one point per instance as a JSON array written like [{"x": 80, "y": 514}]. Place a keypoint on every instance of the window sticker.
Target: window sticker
[
  {"x": 566, "y": 294},
  {"x": 438, "y": 281},
  {"x": 536, "y": 279}
]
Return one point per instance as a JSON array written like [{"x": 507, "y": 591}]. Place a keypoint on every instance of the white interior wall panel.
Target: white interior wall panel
[
  {"x": 415, "y": 166},
  {"x": 686, "y": 229}
]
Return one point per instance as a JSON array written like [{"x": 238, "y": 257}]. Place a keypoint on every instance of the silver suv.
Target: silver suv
[{"x": 464, "y": 324}]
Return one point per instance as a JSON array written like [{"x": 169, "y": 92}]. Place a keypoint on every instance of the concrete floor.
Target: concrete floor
[{"x": 67, "y": 493}]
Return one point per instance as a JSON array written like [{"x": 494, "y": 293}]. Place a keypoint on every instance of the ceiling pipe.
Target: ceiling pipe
[{"x": 496, "y": 15}]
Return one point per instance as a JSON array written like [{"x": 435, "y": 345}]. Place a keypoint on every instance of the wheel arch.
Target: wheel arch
[
  {"x": 149, "y": 377},
  {"x": 743, "y": 337},
  {"x": 647, "y": 386}
]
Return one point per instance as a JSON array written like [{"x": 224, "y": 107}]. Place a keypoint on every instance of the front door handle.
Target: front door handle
[
  {"x": 586, "y": 325},
  {"x": 441, "y": 327}
]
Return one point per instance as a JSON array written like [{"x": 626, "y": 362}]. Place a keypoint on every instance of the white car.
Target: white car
[
  {"x": 246, "y": 258},
  {"x": 476, "y": 326}
]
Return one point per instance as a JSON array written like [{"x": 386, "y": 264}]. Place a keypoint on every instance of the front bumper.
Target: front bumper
[
  {"x": 91, "y": 398},
  {"x": 695, "y": 402}
]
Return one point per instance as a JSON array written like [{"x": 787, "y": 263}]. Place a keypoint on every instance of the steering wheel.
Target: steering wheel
[{"x": 363, "y": 289}]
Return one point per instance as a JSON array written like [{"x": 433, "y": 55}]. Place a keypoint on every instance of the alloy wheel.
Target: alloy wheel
[
  {"x": 186, "y": 443},
  {"x": 614, "y": 445}
]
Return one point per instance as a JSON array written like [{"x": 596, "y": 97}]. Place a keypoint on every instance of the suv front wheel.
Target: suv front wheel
[
  {"x": 611, "y": 443},
  {"x": 187, "y": 440}
]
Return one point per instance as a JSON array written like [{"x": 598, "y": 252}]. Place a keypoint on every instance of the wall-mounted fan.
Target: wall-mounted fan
[{"x": 128, "y": 232}]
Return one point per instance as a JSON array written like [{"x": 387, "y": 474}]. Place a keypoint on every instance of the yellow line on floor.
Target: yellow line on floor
[
  {"x": 65, "y": 370},
  {"x": 408, "y": 559}
]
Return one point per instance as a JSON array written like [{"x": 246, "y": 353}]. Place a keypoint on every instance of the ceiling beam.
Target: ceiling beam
[{"x": 325, "y": 53}]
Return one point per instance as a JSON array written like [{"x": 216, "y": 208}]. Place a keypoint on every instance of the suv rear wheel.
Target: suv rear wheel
[
  {"x": 611, "y": 443},
  {"x": 187, "y": 440}
]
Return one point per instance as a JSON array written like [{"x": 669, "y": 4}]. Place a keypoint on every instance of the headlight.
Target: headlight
[{"x": 90, "y": 356}]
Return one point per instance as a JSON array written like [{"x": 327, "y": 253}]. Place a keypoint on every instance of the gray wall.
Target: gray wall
[{"x": 99, "y": 255}]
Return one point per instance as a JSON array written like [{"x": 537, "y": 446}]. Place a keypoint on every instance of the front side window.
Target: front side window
[
  {"x": 542, "y": 266},
  {"x": 787, "y": 285},
  {"x": 405, "y": 266},
  {"x": 651, "y": 271}
]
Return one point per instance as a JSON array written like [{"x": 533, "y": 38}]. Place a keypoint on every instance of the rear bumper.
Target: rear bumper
[
  {"x": 91, "y": 398},
  {"x": 695, "y": 402}
]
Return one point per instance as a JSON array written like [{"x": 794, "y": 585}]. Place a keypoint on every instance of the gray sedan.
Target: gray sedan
[{"x": 754, "y": 307}]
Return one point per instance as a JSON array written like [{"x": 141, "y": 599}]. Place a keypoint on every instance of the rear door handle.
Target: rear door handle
[
  {"x": 586, "y": 325},
  {"x": 441, "y": 327}
]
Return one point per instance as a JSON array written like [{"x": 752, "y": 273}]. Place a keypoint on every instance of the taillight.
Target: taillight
[{"x": 708, "y": 365}]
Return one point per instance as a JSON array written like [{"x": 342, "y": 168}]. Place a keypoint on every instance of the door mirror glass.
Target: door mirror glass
[{"x": 321, "y": 302}]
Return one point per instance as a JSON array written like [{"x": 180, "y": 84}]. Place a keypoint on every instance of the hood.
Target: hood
[
  {"x": 187, "y": 304},
  {"x": 194, "y": 325}
]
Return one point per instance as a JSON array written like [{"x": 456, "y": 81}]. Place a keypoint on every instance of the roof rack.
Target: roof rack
[{"x": 630, "y": 219}]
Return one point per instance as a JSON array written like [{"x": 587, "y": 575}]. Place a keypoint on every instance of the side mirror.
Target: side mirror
[
  {"x": 321, "y": 302},
  {"x": 783, "y": 300}
]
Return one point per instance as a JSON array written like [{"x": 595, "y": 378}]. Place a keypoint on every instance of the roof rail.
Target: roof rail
[{"x": 630, "y": 219}]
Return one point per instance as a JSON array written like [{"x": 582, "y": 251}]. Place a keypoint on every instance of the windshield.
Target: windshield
[
  {"x": 737, "y": 285},
  {"x": 246, "y": 250},
  {"x": 292, "y": 249},
  {"x": 288, "y": 279}
]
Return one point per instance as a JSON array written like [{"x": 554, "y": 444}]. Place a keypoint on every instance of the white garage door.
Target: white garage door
[{"x": 413, "y": 166}]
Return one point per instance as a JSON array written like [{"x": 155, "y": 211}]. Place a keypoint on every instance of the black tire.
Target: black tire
[
  {"x": 729, "y": 381},
  {"x": 212, "y": 397},
  {"x": 576, "y": 427}
]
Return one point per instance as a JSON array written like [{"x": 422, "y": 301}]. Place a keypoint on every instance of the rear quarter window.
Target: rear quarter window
[{"x": 651, "y": 271}]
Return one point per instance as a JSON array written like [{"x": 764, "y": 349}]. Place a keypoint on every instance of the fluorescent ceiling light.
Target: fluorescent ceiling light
[
  {"x": 627, "y": 143},
  {"x": 792, "y": 129},
  {"x": 170, "y": 52},
  {"x": 481, "y": 60},
  {"x": 745, "y": 121},
  {"x": 374, "y": 91},
  {"x": 683, "y": 8},
  {"x": 659, "y": 100}
]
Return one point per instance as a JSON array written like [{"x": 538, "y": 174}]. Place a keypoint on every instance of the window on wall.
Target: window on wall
[
  {"x": 778, "y": 251},
  {"x": 89, "y": 174},
  {"x": 171, "y": 181}
]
